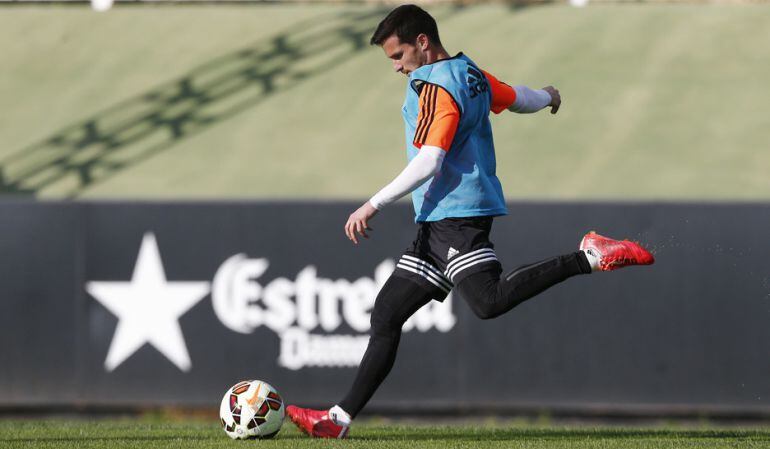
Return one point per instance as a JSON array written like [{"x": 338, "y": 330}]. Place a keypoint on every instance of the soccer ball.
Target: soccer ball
[{"x": 251, "y": 409}]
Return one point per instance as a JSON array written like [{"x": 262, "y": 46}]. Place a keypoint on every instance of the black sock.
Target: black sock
[{"x": 582, "y": 260}]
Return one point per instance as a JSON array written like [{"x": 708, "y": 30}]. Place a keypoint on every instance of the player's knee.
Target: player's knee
[
  {"x": 486, "y": 314},
  {"x": 481, "y": 301},
  {"x": 383, "y": 321},
  {"x": 485, "y": 311}
]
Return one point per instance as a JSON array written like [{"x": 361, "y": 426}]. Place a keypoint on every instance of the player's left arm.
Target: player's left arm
[
  {"x": 435, "y": 129},
  {"x": 521, "y": 99},
  {"x": 532, "y": 100}
]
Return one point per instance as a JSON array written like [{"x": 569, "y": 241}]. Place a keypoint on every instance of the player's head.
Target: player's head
[{"x": 409, "y": 37}]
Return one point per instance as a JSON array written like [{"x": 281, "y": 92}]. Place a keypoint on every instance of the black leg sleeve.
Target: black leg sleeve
[
  {"x": 490, "y": 296},
  {"x": 396, "y": 302}
]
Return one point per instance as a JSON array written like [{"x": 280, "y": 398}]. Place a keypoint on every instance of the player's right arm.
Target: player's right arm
[
  {"x": 435, "y": 129},
  {"x": 521, "y": 99},
  {"x": 421, "y": 168}
]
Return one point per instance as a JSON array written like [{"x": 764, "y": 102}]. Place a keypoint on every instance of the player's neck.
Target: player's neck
[{"x": 436, "y": 54}]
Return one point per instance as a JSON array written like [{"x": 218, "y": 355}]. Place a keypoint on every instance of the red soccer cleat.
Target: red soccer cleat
[
  {"x": 606, "y": 254},
  {"x": 316, "y": 423}
]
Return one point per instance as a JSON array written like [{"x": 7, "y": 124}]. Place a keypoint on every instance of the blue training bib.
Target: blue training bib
[{"x": 466, "y": 185}]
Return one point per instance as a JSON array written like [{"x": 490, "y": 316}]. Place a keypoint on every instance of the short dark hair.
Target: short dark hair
[{"x": 407, "y": 22}]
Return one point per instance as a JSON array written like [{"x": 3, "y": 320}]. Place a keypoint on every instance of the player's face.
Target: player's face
[{"x": 406, "y": 57}]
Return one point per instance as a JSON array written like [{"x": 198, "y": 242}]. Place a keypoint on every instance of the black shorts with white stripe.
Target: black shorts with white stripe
[{"x": 447, "y": 251}]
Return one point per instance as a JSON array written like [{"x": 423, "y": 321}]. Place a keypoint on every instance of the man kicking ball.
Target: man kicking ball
[{"x": 456, "y": 195}]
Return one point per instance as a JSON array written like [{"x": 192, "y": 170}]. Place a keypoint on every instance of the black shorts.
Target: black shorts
[{"x": 447, "y": 251}]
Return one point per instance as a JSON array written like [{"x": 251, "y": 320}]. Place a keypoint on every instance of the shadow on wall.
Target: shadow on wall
[{"x": 93, "y": 150}]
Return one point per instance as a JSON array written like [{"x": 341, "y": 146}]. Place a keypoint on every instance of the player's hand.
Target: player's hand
[
  {"x": 358, "y": 222},
  {"x": 555, "y": 98}
]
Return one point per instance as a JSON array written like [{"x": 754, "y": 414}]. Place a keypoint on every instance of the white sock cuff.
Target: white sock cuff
[{"x": 340, "y": 416}]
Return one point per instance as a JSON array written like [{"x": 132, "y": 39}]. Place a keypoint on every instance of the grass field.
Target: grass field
[
  {"x": 287, "y": 101},
  {"x": 140, "y": 434}
]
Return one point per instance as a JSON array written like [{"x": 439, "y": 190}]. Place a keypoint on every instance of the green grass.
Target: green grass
[
  {"x": 141, "y": 434},
  {"x": 287, "y": 101}
]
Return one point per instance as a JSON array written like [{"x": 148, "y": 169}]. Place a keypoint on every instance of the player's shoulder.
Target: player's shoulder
[
  {"x": 450, "y": 73},
  {"x": 443, "y": 68}
]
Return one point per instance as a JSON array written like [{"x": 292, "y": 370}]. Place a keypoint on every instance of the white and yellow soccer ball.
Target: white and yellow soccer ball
[{"x": 251, "y": 409}]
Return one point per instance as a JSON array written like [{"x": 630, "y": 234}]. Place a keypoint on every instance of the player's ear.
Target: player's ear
[{"x": 422, "y": 41}]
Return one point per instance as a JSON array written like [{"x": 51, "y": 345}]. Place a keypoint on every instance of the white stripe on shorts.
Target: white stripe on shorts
[
  {"x": 422, "y": 273},
  {"x": 439, "y": 278},
  {"x": 408, "y": 258},
  {"x": 483, "y": 255},
  {"x": 460, "y": 259},
  {"x": 425, "y": 270}
]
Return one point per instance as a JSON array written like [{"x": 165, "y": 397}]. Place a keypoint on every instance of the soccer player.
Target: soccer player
[{"x": 456, "y": 195}]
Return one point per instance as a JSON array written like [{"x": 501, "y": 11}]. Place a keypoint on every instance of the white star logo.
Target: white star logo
[{"x": 148, "y": 308}]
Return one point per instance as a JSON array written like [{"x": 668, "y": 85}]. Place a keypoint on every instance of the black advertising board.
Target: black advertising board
[{"x": 143, "y": 304}]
